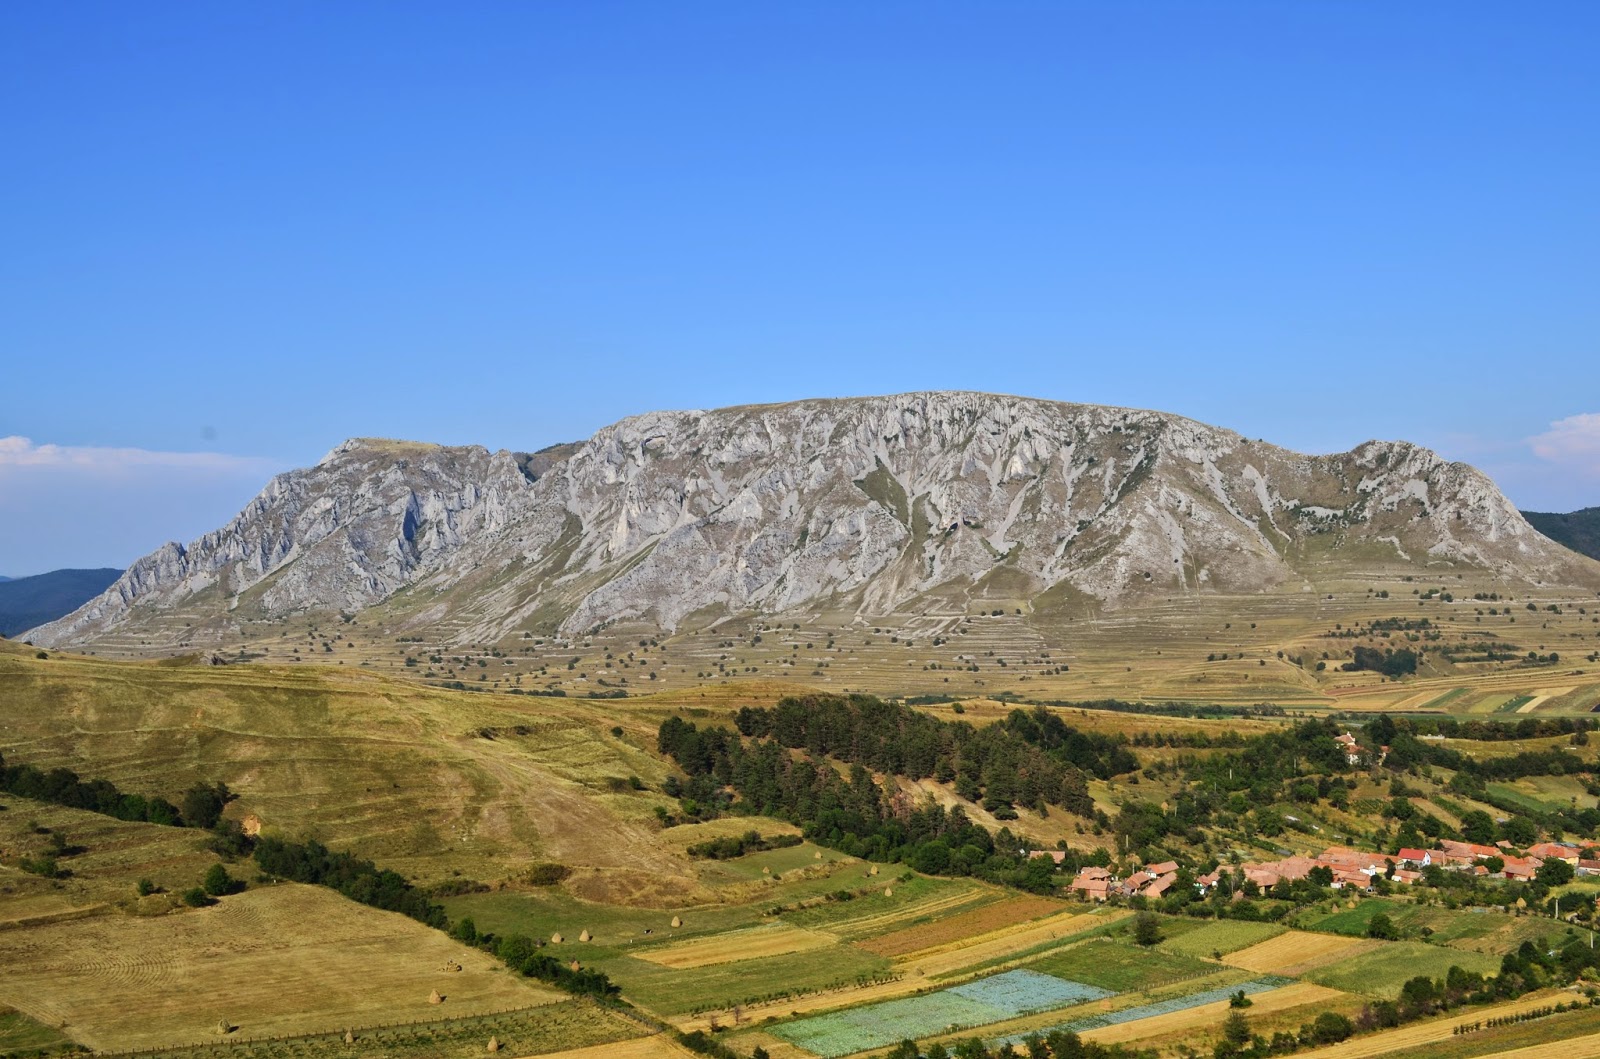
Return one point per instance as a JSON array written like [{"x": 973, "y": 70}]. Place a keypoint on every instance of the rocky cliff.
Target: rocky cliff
[{"x": 878, "y": 505}]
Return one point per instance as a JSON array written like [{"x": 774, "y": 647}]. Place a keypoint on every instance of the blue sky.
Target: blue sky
[{"x": 235, "y": 234}]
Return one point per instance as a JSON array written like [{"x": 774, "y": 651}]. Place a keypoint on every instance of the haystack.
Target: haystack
[
  {"x": 223, "y": 1029},
  {"x": 765, "y": 870},
  {"x": 817, "y": 855},
  {"x": 584, "y": 936},
  {"x": 349, "y": 1037},
  {"x": 888, "y": 891},
  {"x": 575, "y": 966},
  {"x": 435, "y": 998},
  {"x": 872, "y": 870},
  {"x": 494, "y": 1045},
  {"x": 555, "y": 939},
  {"x": 676, "y": 921}
]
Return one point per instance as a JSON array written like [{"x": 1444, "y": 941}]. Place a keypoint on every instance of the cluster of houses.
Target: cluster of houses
[
  {"x": 1347, "y": 868},
  {"x": 1153, "y": 880}
]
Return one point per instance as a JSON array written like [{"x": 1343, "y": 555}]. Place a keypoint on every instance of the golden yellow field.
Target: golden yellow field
[
  {"x": 1210, "y": 1016},
  {"x": 1576, "y": 1048},
  {"x": 284, "y": 959},
  {"x": 1296, "y": 952},
  {"x": 1368, "y": 1045},
  {"x": 660, "y": 1046}
]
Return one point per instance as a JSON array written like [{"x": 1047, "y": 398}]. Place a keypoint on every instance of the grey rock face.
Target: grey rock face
[{"x": 880, "y": 505}]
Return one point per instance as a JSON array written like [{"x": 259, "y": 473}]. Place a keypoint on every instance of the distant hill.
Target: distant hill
[
  {"x": 26, "y": 602},
  {"x": 1578, "y": 530}
]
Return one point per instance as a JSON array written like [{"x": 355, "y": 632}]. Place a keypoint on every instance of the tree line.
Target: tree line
[{"x": 850, "y": 813}]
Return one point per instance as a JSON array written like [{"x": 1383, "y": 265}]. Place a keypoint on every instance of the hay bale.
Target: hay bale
[
  {"x": 888, "y": 891},
  {"x": 435, "y": 998},
  {"x": 677, "y": 921},
  {"x": 817, "y": 855},
  {"x": 555, "y": 939},
  {"x": 766, "y": 870},
  {"x": 223, "y": 1029},
  {"x": 584, "y": 936},
  {"x": 872, "y": 870},
  {"x": 494, "y": 1045},
  {"x": 575, "y": 966},
  {"x": 349, "y": 1037}
]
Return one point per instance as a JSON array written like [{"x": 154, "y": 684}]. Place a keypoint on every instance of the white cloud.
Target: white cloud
[
  {"x": 17, "y": 451},
  {"x": 87, "y": 505},
  {"x": 1573, "y": 443}
]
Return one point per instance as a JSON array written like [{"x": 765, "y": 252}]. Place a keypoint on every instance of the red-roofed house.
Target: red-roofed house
[
  {"x": 1093, "y": 883},
  {"x": 1521, "y": 868},
  {"x": 1554, "y": 851},
  {"x": 1419, "y": 857}
]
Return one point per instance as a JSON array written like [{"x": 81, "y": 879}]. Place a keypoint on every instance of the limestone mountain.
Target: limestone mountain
[{"x": 887, "y": 505}]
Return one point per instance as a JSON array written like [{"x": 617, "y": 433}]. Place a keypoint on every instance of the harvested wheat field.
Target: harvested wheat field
[
  {"x": 1210, "y": 1016},
  {"x": 979, "y": 921},
  {"x": 1296, "y": 952},
  {"x": 660, "y": 1046},
  {"x": 1576, "y": 1048},
  {"x": 286, "y": 959},
  {"x": 1442, "y": 1029},
  {"x": 737, "y": 945}
]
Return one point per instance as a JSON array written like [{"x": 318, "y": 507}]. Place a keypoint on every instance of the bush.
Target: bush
[
  {"x": 218, "y": 882},
  {"x": 197, "y": 898},
  {"x": 548, "y": 874},
  {"x": 146, "y": 887}
]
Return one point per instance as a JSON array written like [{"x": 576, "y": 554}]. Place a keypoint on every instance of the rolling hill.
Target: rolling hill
[{"x": 1578, "y": 530}]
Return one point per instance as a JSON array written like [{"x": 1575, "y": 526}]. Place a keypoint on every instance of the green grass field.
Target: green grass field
[
  {"x": 1380, "y": 972},
  {"x": 21, "y": 1035},
  {"x": 680, "y": 992},
  {"x": 1120, "y": 967},
  {"x": 1223, "y": 936}
]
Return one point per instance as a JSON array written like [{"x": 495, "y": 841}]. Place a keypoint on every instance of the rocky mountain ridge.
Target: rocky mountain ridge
[{"x": 872, "y": 505}]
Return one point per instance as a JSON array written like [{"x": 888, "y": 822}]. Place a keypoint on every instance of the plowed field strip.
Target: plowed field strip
[
  {"x": 737, "y": 945},
  {"x": 956, "y": 928},
  {"x": 994, "y": 946}
]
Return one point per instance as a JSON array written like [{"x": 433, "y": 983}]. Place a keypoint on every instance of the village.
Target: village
[{"x": 1339, "y": 867}]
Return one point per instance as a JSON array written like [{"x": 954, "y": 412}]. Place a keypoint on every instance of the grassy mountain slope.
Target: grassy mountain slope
[
  {"x": 26, "y": 602},
  {"x": 430, "y": 781},
  {"x": 1578, "y": 530}
]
